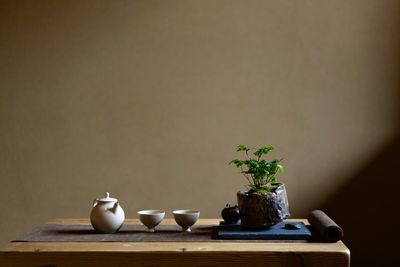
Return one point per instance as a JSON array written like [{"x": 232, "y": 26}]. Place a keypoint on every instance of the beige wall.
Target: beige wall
[{"x": 148, "y": 99}]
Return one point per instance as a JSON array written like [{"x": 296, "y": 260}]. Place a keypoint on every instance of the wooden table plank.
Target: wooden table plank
[
  {"x": 174, "y": 247},
  {"x": 172, "y": 253}
]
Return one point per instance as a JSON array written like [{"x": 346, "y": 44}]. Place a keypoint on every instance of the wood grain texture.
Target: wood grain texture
[{"x": 172, "y": 253}]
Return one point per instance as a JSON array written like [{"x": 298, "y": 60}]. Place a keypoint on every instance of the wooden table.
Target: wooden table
[{"x": 173, "y": 253}]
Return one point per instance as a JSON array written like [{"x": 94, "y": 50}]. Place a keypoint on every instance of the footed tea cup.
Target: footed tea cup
[
  {"x": 151, "y": 218},
  {"x": 186, "y": 218}
]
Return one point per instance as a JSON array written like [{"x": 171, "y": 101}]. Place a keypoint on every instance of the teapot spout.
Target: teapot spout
[{"x": 114, "y": 208}]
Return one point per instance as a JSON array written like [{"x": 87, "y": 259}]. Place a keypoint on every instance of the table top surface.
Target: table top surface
[{"x": 174, "y": 247}]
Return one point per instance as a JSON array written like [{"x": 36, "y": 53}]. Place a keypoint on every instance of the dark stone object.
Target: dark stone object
[
  {"x": 325, "y": 227},
  {"x": 263, "y": 210},
  {"x": 230, "y": 214}
]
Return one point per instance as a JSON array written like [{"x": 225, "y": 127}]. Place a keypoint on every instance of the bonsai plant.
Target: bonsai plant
[{"x": 265, "y": 202}]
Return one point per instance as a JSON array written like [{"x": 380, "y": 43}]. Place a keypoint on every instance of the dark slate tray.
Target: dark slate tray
[{"x": 275, "y": 232}]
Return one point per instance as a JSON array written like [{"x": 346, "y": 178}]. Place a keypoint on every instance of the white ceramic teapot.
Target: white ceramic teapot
[{"x": 107, "y": 215}]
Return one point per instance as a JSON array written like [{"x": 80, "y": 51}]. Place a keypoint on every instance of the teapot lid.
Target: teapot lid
[{"x": 107, "y": 198}]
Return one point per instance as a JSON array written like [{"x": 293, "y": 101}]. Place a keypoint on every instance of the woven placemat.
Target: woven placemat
[
  {"x": 131, "y": 233},
  {"x": 127, "y": 233}
]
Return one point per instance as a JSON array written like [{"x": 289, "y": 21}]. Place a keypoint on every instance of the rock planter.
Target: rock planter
[{"x": 263, "y": 210}]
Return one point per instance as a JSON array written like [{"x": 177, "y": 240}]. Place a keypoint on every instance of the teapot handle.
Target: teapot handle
[{"x": 94, "y": 202}]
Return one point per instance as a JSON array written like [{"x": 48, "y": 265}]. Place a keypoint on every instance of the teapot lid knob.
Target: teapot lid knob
[{"x": 106, "y": 198}]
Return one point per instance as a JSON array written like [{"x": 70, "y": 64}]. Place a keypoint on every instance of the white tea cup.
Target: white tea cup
[
  {"x": 151, "y": 218},
  {"x": 186, "y": 218}
]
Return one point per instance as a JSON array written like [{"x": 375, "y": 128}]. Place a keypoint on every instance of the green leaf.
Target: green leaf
[
  {"x": 272, "y": 187},
  {"x": 242, "y": 148},
  {"x": 263, "y": 151},
  {"x": 280, "y": 168},
  {"x": 237, "y": 162}
]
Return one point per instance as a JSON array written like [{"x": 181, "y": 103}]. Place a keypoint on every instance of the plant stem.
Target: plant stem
[
  {"x": 245, "y": 175},
  {"x": 254, "y": 180}
]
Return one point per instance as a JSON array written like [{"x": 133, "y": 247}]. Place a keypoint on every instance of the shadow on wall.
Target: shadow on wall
[{"x": 366, "y": 208}]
